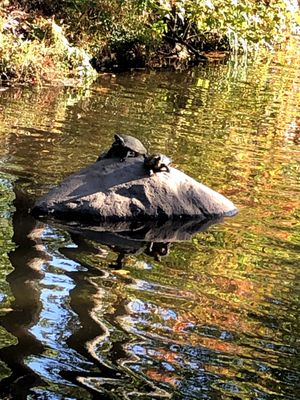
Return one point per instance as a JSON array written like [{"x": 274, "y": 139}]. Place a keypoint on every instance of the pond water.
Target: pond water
[{"x": 212, "y": 317}]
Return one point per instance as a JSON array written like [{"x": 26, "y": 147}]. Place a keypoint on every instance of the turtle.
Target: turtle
[
  {"x": 157, "y": 163},
  {"x": 124, "y": 146}
]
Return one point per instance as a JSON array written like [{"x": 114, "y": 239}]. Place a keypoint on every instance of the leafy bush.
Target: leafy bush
[
  {"x": 244, "y": 25},
  {"x": 52, "y": 39}
]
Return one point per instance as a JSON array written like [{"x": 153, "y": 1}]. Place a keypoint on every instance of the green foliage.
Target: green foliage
[
  {"x": 53, "y": 40},
  {"x": 245, "y": 24}
]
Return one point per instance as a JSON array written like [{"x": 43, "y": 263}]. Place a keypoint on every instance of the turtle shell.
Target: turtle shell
[{"x": 129, "y": 142}]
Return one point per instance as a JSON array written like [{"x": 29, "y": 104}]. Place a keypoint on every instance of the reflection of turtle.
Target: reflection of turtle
[
  {"x": 157, "y": 250},
  {"x": 157, "y": 163},
  {"x": 124, "y": 146}
]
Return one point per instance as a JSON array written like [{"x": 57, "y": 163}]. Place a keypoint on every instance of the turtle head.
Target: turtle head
[
  {"x": 119, "y": 140},
  {"x": 157, "y": 159}
]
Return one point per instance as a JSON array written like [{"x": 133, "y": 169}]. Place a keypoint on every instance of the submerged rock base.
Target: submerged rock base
[{"x": 110, "y": 190}]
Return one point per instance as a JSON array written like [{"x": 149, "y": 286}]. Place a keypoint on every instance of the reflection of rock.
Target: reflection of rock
[
  {"x": 151, "y": 237},
  {"x": 118, "y": 233},
  {"x": 114, "y": 190}
]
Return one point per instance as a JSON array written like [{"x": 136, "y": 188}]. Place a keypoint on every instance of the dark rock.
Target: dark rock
[{"x": 110, "y": 190}]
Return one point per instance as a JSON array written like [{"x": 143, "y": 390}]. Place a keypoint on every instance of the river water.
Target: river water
[{"x": 103, "y": 317}]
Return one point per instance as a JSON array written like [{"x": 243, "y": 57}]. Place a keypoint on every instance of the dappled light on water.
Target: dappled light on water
[{"x": 192, "y": 312}]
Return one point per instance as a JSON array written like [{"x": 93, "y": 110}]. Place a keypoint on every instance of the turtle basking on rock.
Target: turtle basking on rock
[
  {"x": 124, "y": 146},
  {"x": 157, "y": 163}
]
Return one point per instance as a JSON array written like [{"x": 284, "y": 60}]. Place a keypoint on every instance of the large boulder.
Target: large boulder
[{"x": 110, "y": 190}]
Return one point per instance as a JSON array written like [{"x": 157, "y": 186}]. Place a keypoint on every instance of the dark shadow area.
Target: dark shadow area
[{"x": 113, "y": 174}]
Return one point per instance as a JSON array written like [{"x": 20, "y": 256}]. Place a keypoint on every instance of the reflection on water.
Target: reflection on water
[{"x": 156, "y": 312}]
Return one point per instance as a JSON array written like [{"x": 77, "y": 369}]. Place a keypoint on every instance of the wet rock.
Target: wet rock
[{"x": 110, "y": 190}]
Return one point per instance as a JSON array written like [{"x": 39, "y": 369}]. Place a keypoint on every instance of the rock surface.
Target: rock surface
[{"x": 124, "y": 191}]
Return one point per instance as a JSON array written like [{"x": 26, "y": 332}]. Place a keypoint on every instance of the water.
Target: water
[{"x": 102, "y": 316}]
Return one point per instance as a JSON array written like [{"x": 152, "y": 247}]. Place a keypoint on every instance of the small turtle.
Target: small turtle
[
  {"x": 157, "y": 163},
  {"x": 124, "y": 146}
]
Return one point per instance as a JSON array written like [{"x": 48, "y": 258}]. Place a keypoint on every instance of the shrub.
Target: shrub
[{"x": 35, "y": 49}]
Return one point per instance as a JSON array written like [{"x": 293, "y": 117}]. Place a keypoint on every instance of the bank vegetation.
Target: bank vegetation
[{"x": 63, "y": 41}]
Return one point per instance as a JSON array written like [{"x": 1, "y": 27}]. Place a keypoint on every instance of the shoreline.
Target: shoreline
[{"x": 44, "y": 46}]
